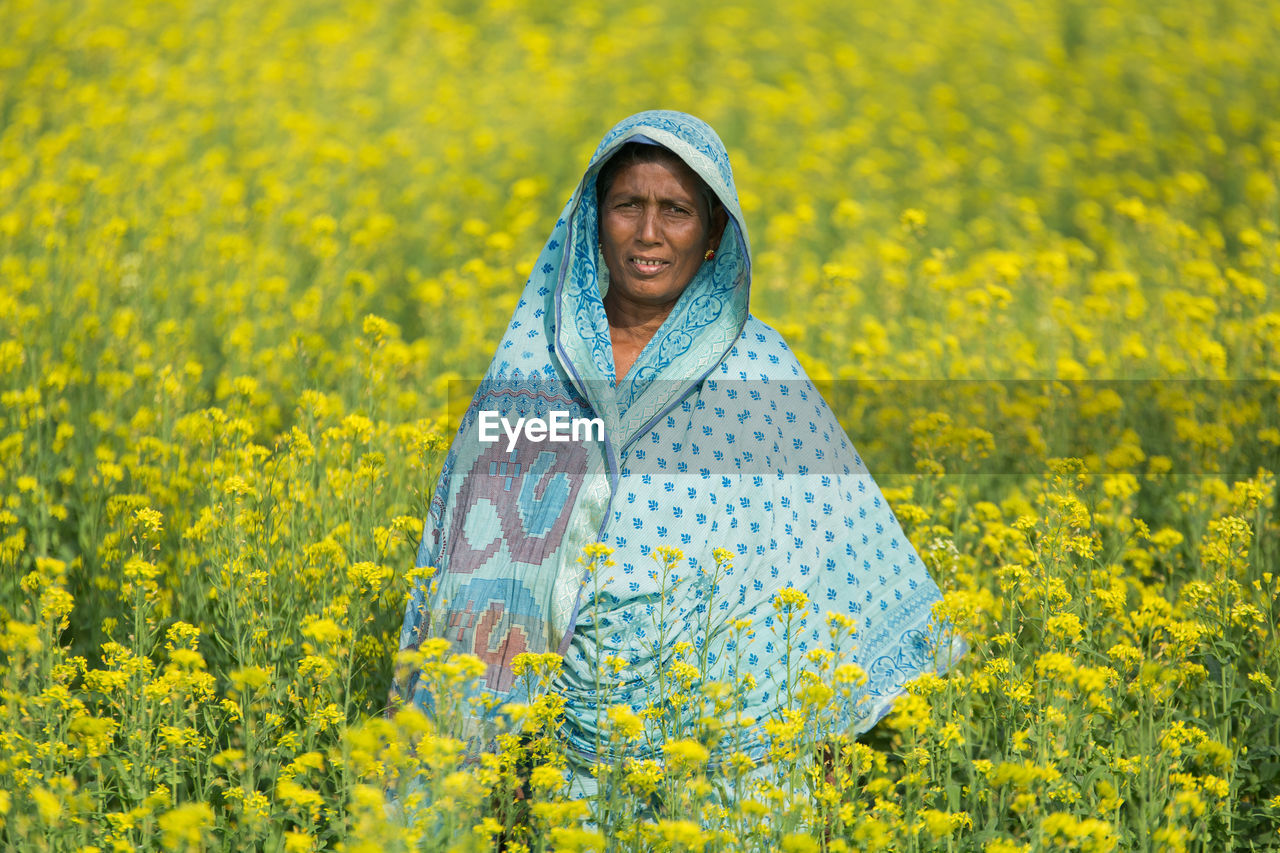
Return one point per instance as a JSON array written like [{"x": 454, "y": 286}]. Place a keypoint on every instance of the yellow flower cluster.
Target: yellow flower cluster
[{"x": 252, "y": 256}]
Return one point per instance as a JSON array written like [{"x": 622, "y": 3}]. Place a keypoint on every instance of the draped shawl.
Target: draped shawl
[{"x": 715, "y": 438}]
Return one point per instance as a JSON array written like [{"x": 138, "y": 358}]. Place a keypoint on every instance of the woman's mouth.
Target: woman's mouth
[{"x": 647, "y": 266}]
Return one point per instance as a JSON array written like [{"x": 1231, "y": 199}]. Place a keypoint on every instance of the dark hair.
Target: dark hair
[{"x": 632, "y": 153}]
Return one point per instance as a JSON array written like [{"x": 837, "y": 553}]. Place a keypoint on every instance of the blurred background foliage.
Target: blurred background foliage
[{"x": 246, "y": 247}]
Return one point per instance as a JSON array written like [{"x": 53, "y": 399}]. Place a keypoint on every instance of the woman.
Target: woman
[{"x": 707, "y": 435}]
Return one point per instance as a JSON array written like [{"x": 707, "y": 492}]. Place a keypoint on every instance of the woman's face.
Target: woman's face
[{"x": 655, "y": 228}]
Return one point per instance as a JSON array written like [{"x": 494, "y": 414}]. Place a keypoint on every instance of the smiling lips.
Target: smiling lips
[{"x": 648, "y": 266}]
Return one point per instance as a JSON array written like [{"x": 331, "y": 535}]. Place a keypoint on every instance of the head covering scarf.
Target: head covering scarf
[{"x": 714, "y": 439}]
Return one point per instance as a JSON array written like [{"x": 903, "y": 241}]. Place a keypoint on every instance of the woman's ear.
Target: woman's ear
[{"x": 719, "y": 219}]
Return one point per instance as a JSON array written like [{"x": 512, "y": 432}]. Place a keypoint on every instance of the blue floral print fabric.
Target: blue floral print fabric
[{"x": 714, "y": 439}]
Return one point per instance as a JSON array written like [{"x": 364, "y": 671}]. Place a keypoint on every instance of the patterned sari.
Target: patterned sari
[{"x": 714, "y": 439}]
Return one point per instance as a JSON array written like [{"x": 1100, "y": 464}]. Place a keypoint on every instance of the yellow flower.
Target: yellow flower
[
  {"x": 1002, "y": 845},
  {"x": 684, "y": 754},
  {"x": 186, "y": 825},
  {"x": 797, "y": 843},
  {"x": 574, "y": 840},
  {"x": 942, "y": 824},
  {"x": 643, "y": 776},
  {"x": 297, "y": 842},
  {"x": 913, "y": 221},
  {"x": 368, "y": 576},
  {"x": 48, "y": 805},
  {"x": 596, "y": 551},
  {"x": 841, "y": 623},
  {"x": 626, "y": 724},
  {"x": 295, "y": 795},
  {"x": 487, "y": 828},
  {"x": 667, "y": 555},
  {"x": 789, "y": 599},
  {"x": 541, "y": 664},
  {"x": 680, "y": 834},
  {"x": 250, "y": 678},
  {"x": 546, "y": 778},
  {"x": 616, "y": 664}
]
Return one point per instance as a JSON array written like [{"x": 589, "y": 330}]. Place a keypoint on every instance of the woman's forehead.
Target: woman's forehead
[{"x": 664, "y": 176}]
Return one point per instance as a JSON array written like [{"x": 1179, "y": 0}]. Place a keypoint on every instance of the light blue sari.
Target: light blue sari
[{"x": 714, "y": 439}]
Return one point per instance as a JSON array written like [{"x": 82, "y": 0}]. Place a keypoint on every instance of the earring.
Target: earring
[{"x": 711, "y": 253}]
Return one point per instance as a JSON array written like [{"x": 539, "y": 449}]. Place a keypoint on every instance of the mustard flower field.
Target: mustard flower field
[{"x": 1029, "y": 251}]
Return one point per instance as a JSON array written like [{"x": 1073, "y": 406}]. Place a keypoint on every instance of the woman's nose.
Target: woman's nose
[{"x": 650, "y": 231}]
